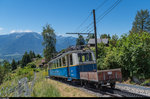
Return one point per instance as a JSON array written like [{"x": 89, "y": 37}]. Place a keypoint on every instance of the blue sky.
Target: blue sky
[{"x": 67, "y": 15}]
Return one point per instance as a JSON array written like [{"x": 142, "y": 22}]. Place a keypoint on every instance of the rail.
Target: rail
[{"x": 105, "y": 90}]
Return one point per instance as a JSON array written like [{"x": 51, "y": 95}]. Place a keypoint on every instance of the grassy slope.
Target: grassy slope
[
  {"x": 69, "y": 91},
  {"x": 43, "y": 87}
]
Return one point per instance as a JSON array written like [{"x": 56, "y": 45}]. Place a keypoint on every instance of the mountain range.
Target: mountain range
[{"x": 14, "y": 45}]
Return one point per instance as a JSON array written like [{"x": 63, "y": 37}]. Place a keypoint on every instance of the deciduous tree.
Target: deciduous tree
[
  {"x": 49, "y": 42},
  {"x": 80, "y": 40}
]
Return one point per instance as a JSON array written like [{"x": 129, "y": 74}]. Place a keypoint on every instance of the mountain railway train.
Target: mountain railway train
[{"x": 79, "y": 65}]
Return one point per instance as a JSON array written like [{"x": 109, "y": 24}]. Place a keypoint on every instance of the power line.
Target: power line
[
  {"x": 85, "y": 20},
  {"x": 108, "y": 10},
  {"x": 90, "y": 26},
  {"x": 89, "y": 29},
  {"x": 90, "y": 15},
  {"x": 86, "y": 27},
  {"x": 101, "y": 4}
]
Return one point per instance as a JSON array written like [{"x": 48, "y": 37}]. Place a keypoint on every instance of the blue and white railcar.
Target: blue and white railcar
[{"x": 69, "y": 65}]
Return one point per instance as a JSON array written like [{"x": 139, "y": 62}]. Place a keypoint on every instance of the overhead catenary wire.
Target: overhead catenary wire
[
  {"x": 101, "y": 5},
  {"x": 104, "y": 14},
  {"x": 84, "y": 21},
  {"x": 91, "y": 24},
  {"x": 89, "y": 16},
  {"x": 89, "y": 28},
  {"x": 108, "y": 10}
]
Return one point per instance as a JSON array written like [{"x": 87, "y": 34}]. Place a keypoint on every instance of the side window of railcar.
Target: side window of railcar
[
  {"x": 71, "y": 61},
  {"x": 53, "y": 65},
  {"x": 57, "y": 63},
  {"x": 64, "y": 62},
  {"x": 60, "y": 62}
]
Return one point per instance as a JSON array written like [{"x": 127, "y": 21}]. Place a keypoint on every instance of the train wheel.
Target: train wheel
[
  {"x": 101, "y": 87},
  {"x": 81, "y": 83},
  {"x": 85, "y": 84},
  {"x": 112, "y": 85},
  {"x": 97, "y": 86}
]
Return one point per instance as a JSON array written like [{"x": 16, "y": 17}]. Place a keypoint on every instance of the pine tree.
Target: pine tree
[
  {"x": 25, "y": 59},
  {"x": 38, "y": 56},
  {"x": 13, "y": 65},
  {"x": 32, "y": 55},
  {"x": 142, "y": 22}
]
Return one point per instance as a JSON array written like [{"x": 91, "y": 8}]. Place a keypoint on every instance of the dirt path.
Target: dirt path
[{"x": 69, "y": 91}]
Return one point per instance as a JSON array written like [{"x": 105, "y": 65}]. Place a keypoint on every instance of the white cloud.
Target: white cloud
[
  {"x": 1, "y": 28},
  {"x": 20, "y": 31}
]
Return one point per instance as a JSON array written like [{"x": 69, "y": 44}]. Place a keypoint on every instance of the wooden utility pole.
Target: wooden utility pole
[
  {"x": 91, "y": 33},
  {"x": 95, "y": 33}
]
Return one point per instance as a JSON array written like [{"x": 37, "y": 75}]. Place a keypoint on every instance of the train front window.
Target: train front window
[
  {"x": 85, "y": 57},
  {"x": 80, "y": 57},
  {"x": 90, "y": 57}
]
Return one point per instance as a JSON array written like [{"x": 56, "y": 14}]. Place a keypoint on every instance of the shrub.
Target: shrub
[
  {"x": 131, "y": 53},
  {"x": 30, "y": 75},
  {"x": 31, "y": 65}
]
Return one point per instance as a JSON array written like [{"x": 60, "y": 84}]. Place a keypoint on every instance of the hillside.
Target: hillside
[
  {"x": 14, "y": 45},
  {"x": 37, "y": 84}
]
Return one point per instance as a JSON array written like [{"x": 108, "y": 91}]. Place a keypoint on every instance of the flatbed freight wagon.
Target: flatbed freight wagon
[{"x": 102, "y": 77}]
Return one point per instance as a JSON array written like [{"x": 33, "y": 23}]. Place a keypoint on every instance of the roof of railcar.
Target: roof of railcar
[{"x": 74, "y": 51}]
